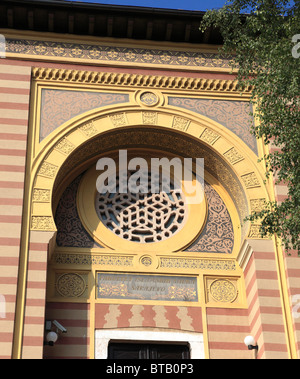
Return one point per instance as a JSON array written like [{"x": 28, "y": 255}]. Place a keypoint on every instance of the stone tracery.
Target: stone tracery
[{"x": 142, "y": 217}]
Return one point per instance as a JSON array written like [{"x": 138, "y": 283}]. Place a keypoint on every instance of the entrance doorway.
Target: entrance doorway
[
  {"x": 147, "y": 351},
  {"x": 189, "y": 343}
]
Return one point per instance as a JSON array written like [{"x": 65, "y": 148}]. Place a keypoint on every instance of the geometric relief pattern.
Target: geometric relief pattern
[
  {"x": 64, "y": 146},
  {"x": 41, "y": 195},
  {"x": 88, "y": 129},
  {"x": 209, "y": 136},
  {"x": 257, "y": 205},
  {"x": 149, "y": 118},
  {"x": 180, "y": 123},
  {"x": 234, "y": 115},
  {"x": 118, "y": 119},
  {"x": 250, "y": 180},
  {"x": 223, "y": 290},
  {"x": 92, "y": 259},
  {"x": 48, "y": 169},
  {"x": 217, "y": 235},
  {"x": 42, "y": 223},
  {"x": 233, "y": 155},
  {"x": 70, "y": 231},
  {"x": 59, "y": 106},
  {"x": 255, "y": 232},
  {"x": 198, "y": 263},
  {"x": 149, "y": 99}
]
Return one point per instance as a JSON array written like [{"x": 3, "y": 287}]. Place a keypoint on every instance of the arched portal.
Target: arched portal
[{"x": 215, "y": 278}]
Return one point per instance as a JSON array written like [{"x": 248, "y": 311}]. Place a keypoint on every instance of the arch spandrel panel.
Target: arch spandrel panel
[{"x": 234, "y": 115}]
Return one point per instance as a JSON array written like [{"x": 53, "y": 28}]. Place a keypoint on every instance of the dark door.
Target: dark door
[{"x": 147, "y": 351}]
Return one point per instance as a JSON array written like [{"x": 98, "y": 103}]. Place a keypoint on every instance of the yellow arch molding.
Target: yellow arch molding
[
  {"x": 43, "y": 170},
  {"x": 70, "y": 136}
]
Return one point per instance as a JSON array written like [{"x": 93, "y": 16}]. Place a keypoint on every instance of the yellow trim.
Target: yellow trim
[
  {"x": 280, "y": 264},
  {"x": 205, "y": 332},
  {"x": 285, "y": 300},
  {"x": 92, "y": 330},
  {"x": 25, "y": 232}
]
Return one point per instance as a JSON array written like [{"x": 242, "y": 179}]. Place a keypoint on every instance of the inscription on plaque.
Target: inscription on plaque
[{"x": 146, "y": 287}]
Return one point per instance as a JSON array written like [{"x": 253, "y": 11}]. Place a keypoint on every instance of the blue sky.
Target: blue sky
[{"x": 199, "y": 5}]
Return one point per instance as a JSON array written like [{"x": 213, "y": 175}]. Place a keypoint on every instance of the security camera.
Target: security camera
[{"x": 59, "y": 326}]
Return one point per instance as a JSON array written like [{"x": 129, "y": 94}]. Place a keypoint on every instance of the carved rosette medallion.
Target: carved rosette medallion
[
  {"x": 146, "y": 260},
  {"x": 222, "y": 290},
  {"x": 70, "y": 285},
  {"x": 149, "y": 99}
]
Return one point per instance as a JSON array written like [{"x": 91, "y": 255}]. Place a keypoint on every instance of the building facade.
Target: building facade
[{"x": 127, "y": 274}]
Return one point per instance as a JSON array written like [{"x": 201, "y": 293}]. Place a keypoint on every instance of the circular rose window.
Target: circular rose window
[
  {"x": 143, "y": 217},
  {"x": 143, "y": 221}
]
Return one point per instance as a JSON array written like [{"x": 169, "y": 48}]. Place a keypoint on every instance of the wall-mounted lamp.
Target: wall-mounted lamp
[
  {"x": 52, "y": 336},
  {"x": 251, "y": 343}
]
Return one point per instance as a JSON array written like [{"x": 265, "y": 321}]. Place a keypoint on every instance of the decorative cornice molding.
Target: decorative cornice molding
[
  {"x": 137, "y": 80},
  {"x": 88, "y": 50},
  {"x": 164, "y": 262}
]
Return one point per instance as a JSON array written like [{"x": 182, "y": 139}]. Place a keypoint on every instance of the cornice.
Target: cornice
[
  {"x": 137, "y": 80},
  {"x": 107, "y": 51}
]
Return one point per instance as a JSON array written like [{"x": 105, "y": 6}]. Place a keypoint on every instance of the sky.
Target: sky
[{"x": 193, "y": 5}]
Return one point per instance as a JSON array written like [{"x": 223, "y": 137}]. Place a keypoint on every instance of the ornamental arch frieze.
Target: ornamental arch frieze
[{"x": 164, "y": 127}]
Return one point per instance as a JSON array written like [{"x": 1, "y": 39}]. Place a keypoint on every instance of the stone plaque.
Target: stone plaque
[{"x": 147, "y": 287}]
